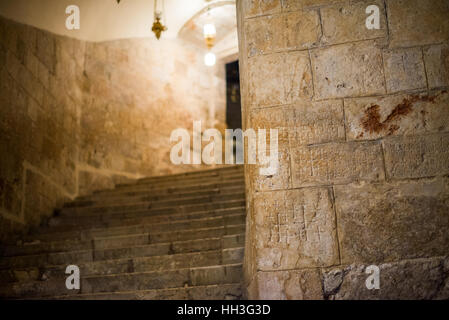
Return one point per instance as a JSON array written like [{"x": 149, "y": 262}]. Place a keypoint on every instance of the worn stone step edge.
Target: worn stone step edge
[
  {"x": 231, "y": 291},
  {"x": 127, "y": 265},
  {"x": 159, "y": 188},
  {"x": 162, "y": 191},
  {"x": 118, "y": 241},
  {"x": 188, "y": 208},
  {"x": 74, "y": 223},
  {"x": 223, "y": 170},
  {"x": 87, "y": 233},
  {"x": 198, "y": 276},
  {"x": 185, "y": 181},
  {"x": 168, "y": 214},
  {"x": 91, "y": 254},
  {"x": 124, "y": 241},
  {"x": 142, "y": 198},
  {"x": 143, "y": 205},
  {"x": 198, "y": 177}
]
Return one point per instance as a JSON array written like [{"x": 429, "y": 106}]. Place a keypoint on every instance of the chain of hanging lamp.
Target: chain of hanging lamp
[{"x": 158, "y": 27}]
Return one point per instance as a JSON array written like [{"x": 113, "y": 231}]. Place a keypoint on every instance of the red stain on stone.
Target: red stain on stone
[{"x": 371, "y": 121}]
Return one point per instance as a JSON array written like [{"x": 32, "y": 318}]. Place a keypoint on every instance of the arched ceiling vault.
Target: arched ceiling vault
[{"x": 106, "y": 20}]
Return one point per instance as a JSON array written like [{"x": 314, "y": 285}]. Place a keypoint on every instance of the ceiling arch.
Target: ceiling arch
[
  {"x": 105, "y": 20},
  {"x": 223, "y": 15}
]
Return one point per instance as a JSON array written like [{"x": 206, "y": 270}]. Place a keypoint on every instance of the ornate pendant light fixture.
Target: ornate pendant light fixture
[
  {"x": 158, "y": 27},
  {"x": 209, "y": 33}
]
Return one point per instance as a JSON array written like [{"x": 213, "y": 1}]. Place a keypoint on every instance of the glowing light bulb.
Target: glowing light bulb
[
  {"x": 209, "y": 30},
  {"x": 210, "y": 59}
]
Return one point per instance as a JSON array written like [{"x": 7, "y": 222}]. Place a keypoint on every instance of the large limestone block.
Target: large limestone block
[
  {"x": 436, "y": 59},
  {"x": 346, "y": 70},
  {"x": 410, "y": 114},
  {"x": 315, "y": 122},
  {"x": 336, "y": 163},
  {"x": 302, "y": 29},
  {"x": 393, "y": 221},
  {"x": 294, "y": 30},
  {"x": 418, "y": 22},
  {"x": 347, "y": 22},
  {"x": 295, "y": 229},
  {"x": 289, "y": 285},
  {"x": 404, "y": 69},
  {"x": 279, "y": 78},
  {"x": 415, "y": 157},
  {"x": 264, "y": 34},
  {"x": 408, "y": 280}
]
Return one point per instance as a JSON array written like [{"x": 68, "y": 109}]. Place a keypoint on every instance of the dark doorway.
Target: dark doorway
[{"x": 233, "y": 106}]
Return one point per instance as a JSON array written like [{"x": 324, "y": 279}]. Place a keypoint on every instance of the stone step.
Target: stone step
[
  {"x": 69, "y": 253},
  {"x": 172, "y": 184},
  {"x": 86, "y": 233},
  {"x": 188, "y": 208},
  {"x": 198, "y": 276},
  {"x": 117, "y": 200},
  {"x": 117, "y": 194},
  {"x": 186, "y": 177},
  {"x": 129, "y": 265},
  {"x": 138, "y": 206},
  {"x": 179, "y": 236},
  {"x": 117, "y": 241},
  {"x": 211, "y": 292},
  {"x": 224, "y": 170},
  {"x": 76, "y": 223}
]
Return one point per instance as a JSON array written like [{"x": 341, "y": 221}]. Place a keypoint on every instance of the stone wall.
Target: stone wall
[
  {"x": 40, "y": 97},
  {"x": 363, "y": 120},
  {"x": 137, "y": 92}
]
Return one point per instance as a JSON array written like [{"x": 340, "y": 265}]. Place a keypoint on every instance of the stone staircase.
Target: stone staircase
[{"x": 170, "y": 237}]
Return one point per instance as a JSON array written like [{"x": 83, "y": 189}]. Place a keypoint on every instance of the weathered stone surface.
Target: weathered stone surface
[
  {"x": 417, "y": 22},
  {"x": 290, "y": 285},
  {"x": 45, "y": 154},
  {"x": 315, "y": 122},
  {"x": 91, "y": 181},
  {"x": 404, "y": 69},
  {"x": 415, "y": 157},
  {"x": 46, "y": 50},
  {"x": 264, "y": 34},
  {"x": 348, "y": 70},
  {"x": 408, "y": 280},
  {"x": 255, "y": 7},
  {"x": 376, "y": 117},
  {"x": 437, "y": 114},
  {"x": 393, "y": 82},
  {"x": 295, "y": 229},
  {"x": 279, "y": 78},
  {"x": 336, "y": 163},
  {"x": 272, "y": 118},
  {"x": 392, "y": 221},
  {"x": 302, "y": 29},
  {"x": 125, "y": 82},
  {"x": 279, "y": 180},
  {"x": 347, "y": 22},
  {"x": 436, "y": 59}
]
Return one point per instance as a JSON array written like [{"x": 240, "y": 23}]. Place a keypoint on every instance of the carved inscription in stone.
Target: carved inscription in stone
[
  {"x": 416, "y": 157},
  {"x": 336, "y": 163},
  {"x": 315, "y": 122},
  {"x": 295, "y": 229}
]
